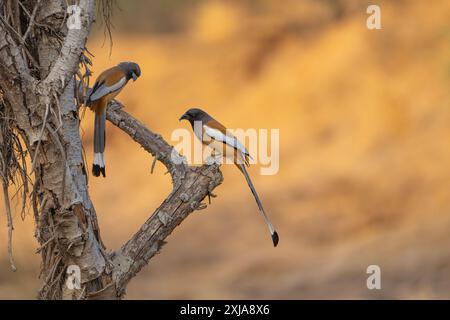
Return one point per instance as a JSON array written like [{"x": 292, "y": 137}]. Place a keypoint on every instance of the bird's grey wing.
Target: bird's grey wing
[{"x": 102, "y": 90}]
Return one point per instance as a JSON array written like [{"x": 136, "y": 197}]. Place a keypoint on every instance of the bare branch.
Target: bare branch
[
  {"x": 32, "y": 17},
  {"x": 10, "y": 223},
  {"x": 74, "y": 43},
  {"x": 190, "y": 186},
  {"x": 11, "y": 57},
  {"x": 151, "y": 142}
]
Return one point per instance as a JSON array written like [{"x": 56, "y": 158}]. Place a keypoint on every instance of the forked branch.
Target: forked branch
[{"x": 190, "y": 187}]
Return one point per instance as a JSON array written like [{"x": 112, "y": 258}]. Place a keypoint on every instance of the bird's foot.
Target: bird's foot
[{"x": 211, "y": 195}]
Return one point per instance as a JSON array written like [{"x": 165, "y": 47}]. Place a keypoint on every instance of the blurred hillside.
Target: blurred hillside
[{"x": 364, "y": 162}]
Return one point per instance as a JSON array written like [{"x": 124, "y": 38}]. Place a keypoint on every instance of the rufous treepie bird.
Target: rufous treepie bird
[
  {"x": 215, "y": 135},
  {"x": 107, "y": 86}
]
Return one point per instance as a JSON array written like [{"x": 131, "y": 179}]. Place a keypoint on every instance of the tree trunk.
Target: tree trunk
[{"x": 39, "y": 64}]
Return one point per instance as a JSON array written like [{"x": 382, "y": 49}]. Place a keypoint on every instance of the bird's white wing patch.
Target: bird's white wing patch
[
  {"x": 105, "y": 90},
  {"x": 99, "y": 159},
  {"x": 229, "y": 140}
]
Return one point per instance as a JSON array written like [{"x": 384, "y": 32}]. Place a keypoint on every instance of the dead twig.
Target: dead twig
[
  {"x": 31, "y": 23},
  {"x": 10, "y": 224}
]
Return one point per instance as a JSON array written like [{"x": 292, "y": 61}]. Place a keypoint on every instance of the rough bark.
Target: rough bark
[{"x": 42, "y": 99}]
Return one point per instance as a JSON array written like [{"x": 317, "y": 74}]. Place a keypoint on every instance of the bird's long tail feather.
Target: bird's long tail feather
[
  {"x": 99, "y": 145},
  {"x": 273, "y": 233}
]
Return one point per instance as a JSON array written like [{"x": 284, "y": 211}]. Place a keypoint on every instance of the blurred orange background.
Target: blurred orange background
[{"x": 364, "y": 125}]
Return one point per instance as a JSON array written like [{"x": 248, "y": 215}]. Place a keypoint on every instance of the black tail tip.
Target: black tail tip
[
  {"x": 96, "y": 170},
  {"x": 275, "y": 238}
]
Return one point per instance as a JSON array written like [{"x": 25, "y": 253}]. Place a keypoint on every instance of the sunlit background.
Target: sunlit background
[{"x": 364, "y": 123}]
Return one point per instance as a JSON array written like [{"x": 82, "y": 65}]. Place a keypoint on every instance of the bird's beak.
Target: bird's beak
[
  {"x": 134, "y": 76},
  {"x": 183, "y": 117}
]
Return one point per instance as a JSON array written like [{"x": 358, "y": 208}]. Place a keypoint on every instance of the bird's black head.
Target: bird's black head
[
  {"x": 131, "y": 70},
  {"x": 195, "y": 114}
]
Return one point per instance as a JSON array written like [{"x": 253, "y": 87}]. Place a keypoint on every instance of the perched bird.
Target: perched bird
[
  {"x": 213, "y": 134},
  {"x": 107, "y": 86}
]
